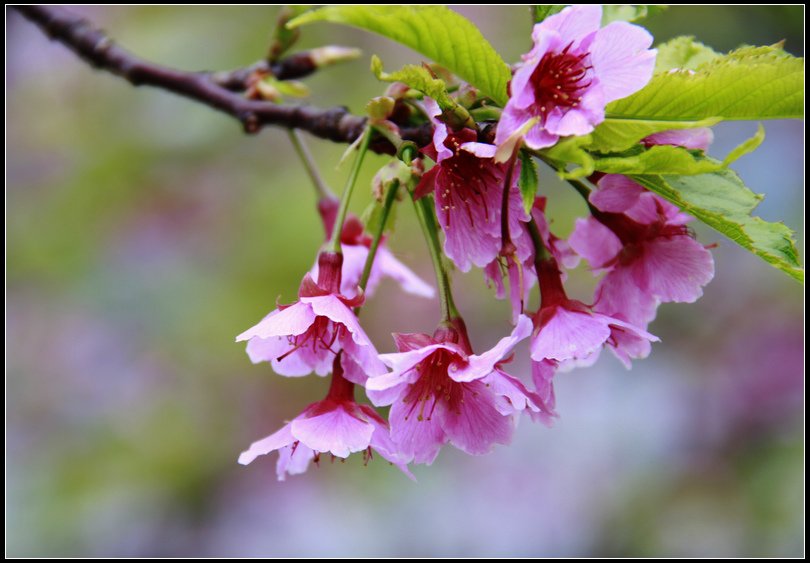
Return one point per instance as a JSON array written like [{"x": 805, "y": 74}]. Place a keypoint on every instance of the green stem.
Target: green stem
[
  {"x": 334, "y": 243},
  {"x": 540, "y": 251},
  {"x": 581, "y": 188},
  {"x": 309, "y": 163},
  {"x": 388, "y": 202},
  {"x": 427, "y": 221}
]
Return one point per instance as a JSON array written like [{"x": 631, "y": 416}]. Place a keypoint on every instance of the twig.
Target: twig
[{"x": 217, "y": 90}]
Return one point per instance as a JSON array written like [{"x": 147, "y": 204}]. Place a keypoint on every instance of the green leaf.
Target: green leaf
[
  {"x": 668, "y": 159},
  {"x": 420, "y": 78},
  {"x": 528, "y": 180},
  {"x": 435, "y": 31},
  {"x": 284, "y": 38},
  {"x": 628, "y": 12},
  {"x": 569, "y": 151},
  {"x": 722, "y": 201},
  {"x": 750, "y": 83},
  {"x": 683, "y": 53},
  {"x": 542, "y": 11}
]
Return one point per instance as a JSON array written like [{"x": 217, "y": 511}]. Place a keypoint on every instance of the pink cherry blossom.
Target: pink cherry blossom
[
  {"x": 643, "y": 244},
  {"x": 355, "y": 245},
  {"x": 573, "y": 71},
  {"x": 336, "y": 425},
  {"x": 440, "y": 392},
  {"x": 468, "y": 190},
  {"x": 568, "y": 331},
  {"x": 304, "y": 337}
]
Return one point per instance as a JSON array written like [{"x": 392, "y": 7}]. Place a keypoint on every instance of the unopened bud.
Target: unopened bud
[
  {"x": 332, "y": 54},
  {"x": 396, "y": 170},
  {"x": 380, "y": 108}
]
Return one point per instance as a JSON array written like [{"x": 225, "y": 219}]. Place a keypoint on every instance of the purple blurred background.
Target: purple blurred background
[{"x": 144, "y": 232}]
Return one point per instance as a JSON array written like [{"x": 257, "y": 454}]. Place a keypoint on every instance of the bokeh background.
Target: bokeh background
[{"x": 144, "y": 232}]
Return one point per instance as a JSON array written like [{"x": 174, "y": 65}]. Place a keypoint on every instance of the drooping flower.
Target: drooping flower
[
  {"x": 440, "y": 392},
  {"x": 641, "y": 241},
  {"x": 518, "y": 268},
  {"x": 355, "y": 244},
  {"x": 468, "y": 188},
  {"x": 305, "y": 336},
  {"x": 573, "y": 71},
  {"x": 336, "y": 425},
  {"x": 567, "y": 331}
]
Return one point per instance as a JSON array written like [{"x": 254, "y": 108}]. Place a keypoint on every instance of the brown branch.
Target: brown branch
[{"x": 217, "y": 90}]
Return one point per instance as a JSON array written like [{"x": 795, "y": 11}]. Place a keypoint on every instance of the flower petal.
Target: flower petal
[
  {"x": 293, "y": 460},
  {"x": 478, "y": 366},
  {"x": 292, "y": 320},
  {"x": 622, "y": 59},
  {"x": 335, "y": 431},
  {"x": 279, "y": 439},
  {"x": 417, "y": 440},
  {"x": 333, "y": 308},
  {"x": 572, "y": 24},
  {"x": 569, "y": 335},
  {"x": 595, "y": 242},
  {"x": 478, "y": 425},
  {"x": 675, "y": 269}
]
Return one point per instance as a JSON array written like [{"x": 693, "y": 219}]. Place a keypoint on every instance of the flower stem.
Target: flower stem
[
  {"x": 334, "y": 242},
  {"x": 506, "y": 239},
  {"x": 390, "y": 196},
  {"x": 548, "y": 271},
  {"x": 429, "y": 228},
  {"x": 309, "y": 163}
]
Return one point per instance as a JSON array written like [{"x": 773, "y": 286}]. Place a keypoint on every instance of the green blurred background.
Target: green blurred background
[{"x": 144, "y": 232}]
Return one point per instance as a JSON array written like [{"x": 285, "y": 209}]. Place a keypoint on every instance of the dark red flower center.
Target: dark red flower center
[
  {"x": 464, "y": 181},
  {"x": 321, "y": 335},
  {"x": 559, "y": 80},
  {"x": 434, "y": 385}
]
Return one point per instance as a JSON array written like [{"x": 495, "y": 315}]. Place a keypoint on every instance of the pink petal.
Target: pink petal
[
  {"x": 675, "y": 269},
  {"x": 615, "y": 194},
  {"x": 510, "y": 393},
  {"x": 569, "y": 335},
  {"x": 335, "y": 431},
  {"x": 301, "y": 362},
  {"x": 292, "y": 320},
  {"x": 331, "y": 307},
  {"x": 279, "y": 439},
  {"x": 365, "y": 357},
  {"x": 538, "y": 138},
  {"x": 543, "y": 379},
  {"x": 478, "y": 426},
  {"x": 417, "y": 440},
  {"x": 699, "y": 138},
  {"x": 406, "y": 360},
  {"x": 471, "y": 234},
  {"x": 572, "y": 24},
  {"x": 572, "y": 122},
  {"x": 481, "y": 365},
  {"x": 622, "y": 60},
  {"x": 439, "y": 130},
  {"x": 481, "y": 150},
  {"x": 618, "y": 294},
  {"x": 594, "y": 242},
  {"x": 382, "y": 443},
  {"x": 293, "y": 459},
  {"x": 511, "y": 120},
  {"x": 626, "y": 346}
]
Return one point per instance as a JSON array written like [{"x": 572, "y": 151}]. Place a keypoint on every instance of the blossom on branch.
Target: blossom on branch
[
  {"x": 305, "y": 336},
  {"x": 336, "y": 425},
  {"x": 573, "y": 71}
]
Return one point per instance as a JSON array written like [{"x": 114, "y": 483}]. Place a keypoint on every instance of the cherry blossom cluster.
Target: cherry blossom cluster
[{"x": 440, "y": 390}]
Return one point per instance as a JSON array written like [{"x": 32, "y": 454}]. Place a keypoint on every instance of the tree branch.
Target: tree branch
[{"x": 217, "y": 90}]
